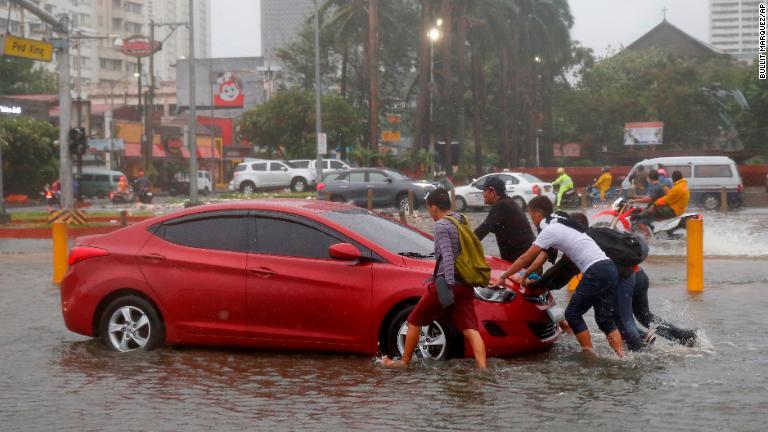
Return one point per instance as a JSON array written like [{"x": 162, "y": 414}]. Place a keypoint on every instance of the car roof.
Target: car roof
[
  {"x": 305, "y": 207},
  {"x": 684, "y": 160}
]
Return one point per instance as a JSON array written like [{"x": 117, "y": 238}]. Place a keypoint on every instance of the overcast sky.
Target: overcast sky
[{"x": 598, "y": 23}]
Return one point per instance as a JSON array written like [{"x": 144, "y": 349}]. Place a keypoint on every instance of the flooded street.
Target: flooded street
[{"x": 52, "y": 379}]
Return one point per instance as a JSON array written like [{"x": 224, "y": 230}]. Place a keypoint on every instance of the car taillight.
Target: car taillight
[
  {"x": 536, "y": 189},
  {"x": 740, "y": 188},
  {"x": 82, "y": 253},
  {"x": 320, "y": 186}
]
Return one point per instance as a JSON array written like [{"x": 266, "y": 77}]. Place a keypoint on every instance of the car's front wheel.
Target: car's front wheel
[
  {"x": 438, "y": 341},
  {"x": 402, "y": 203},
  {"x": 131, "y": 323}
]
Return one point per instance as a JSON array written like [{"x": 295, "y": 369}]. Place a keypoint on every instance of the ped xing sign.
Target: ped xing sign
[{"x": 14, "y": 46}]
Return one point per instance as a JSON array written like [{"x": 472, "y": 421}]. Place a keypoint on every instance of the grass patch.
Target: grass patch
[{"x": 39, "y": 216}]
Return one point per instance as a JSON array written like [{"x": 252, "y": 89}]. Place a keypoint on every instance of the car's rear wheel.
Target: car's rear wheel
[
  {"x": 247, "y": 187},
  {"x": 402, "y": 203},
  {"x": 520, "y": 202},
  {"x": 299, "y": 184},
  {"x": 461, "y": 204},
  {"x": 438, "y": 341},
  {"x": 710, "y": 201},
  {"x": 131, "y": 323}
]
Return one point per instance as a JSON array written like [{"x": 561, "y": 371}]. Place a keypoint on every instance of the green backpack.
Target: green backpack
[{"x": 471, "y": 266}]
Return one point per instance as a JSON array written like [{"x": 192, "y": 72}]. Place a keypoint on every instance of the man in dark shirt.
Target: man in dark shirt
[
  {"x": 655, "y": 191},
  {"x": 505, "y": 220}
]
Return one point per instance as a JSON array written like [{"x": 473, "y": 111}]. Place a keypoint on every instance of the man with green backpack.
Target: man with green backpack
[{"x": 460, "y": 266}]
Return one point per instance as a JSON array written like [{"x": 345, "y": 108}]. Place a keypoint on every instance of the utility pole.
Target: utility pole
[
  {"x": 61, "y": 26},
  {"x": 149, "y": 132},
  {"x": 192, "y": 129},
  {"x": 318, "y": 94}
]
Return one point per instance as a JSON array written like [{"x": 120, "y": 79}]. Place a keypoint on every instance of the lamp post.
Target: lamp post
[
  {"x": 318, "y": 108},
  {"x": 434, "y": 34}
]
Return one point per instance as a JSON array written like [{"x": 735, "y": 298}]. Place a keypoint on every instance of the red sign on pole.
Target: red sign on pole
[{"x": 139, "y": 46}]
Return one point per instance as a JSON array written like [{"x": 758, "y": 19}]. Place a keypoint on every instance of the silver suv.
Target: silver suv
[{"x": 268, "y": 174}]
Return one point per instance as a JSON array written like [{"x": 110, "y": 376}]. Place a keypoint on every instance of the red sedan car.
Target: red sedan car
[{"x": 279, "y": 274}]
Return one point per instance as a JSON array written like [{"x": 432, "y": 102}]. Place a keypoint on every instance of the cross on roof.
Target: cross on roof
[{"x": 664, "y": 11}]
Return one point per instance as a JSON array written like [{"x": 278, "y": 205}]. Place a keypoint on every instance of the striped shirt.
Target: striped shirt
[{"x": 447, "y": 248}]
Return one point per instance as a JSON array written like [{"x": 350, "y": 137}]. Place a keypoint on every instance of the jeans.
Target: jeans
[
  {"x": 597, "y": 289},
  {"x": 623, "y": 313},
  {"x": 646, "y": 318}
]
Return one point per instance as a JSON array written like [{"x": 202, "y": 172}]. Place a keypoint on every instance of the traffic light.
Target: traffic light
[{"x": 78, "y": 141}]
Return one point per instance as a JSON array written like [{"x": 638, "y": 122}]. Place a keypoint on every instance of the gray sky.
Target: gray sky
[{"x": 598, "y": 23}]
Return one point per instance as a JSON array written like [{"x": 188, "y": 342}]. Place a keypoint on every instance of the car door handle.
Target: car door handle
[
  {"x": 153, "y": 257},
  {"x": 262, "y": 271}
]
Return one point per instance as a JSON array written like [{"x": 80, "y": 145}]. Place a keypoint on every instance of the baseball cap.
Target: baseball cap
[{"x": 496, "y": 184}]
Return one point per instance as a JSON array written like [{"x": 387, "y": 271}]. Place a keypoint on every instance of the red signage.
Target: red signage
[
  {"x": 229, "y": 91},
  {"x": 139, "y": 46}
]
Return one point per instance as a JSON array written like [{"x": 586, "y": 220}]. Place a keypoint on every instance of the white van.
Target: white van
[{"x": 706, "y": 175}]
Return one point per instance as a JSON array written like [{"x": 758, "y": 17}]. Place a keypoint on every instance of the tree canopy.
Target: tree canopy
[{"x": 30, "y": 158}]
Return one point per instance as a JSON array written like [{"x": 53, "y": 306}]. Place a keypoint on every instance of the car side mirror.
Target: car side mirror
[
  {"x": 344, "y": 252},
  {"x": 283, "y": 169},
  {"x": 388, "y": 180}
]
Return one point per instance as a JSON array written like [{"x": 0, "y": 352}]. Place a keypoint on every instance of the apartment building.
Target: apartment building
[
  {"x": 281, "y": 21},
  {"x": 733, "y": 27},
  {"x": 176, "y": 46}
]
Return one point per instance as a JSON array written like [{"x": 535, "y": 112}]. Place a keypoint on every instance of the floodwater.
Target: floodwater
[{"x": 51, "y": 379}]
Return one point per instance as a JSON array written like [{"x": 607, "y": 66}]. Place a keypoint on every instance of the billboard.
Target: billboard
[
  {"x": 647, "y": 133},
  {"x": 228, "y": 91}
]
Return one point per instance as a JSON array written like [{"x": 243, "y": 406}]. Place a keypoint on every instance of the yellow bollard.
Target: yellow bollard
[
  {"x": 695, "y": 229},
  {"x": 59, "y": 236},
  {"x": 574, "y": 282}
]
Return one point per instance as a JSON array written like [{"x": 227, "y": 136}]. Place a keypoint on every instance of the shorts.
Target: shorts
[
  {"x": 462, "y": 313},
  {"x": 659, "y": 213}
]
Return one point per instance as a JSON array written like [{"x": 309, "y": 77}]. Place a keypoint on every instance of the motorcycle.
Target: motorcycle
[
  {"x": 625, "y": 216},
  {"x": 593, "y": 194},
  {"x": 571, "y": 198},
  {"x": 51, "y": 198},
  {"x": 145, "y": 196},
  {"x": 117, "y": 197}
]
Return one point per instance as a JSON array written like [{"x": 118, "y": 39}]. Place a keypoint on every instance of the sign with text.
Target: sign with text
[
  {"x": 26, "y": 48},
  {"x": 390, "y": 136},
  {"x": 646, "y": 133},
  {"x": 322, "y": 143}
]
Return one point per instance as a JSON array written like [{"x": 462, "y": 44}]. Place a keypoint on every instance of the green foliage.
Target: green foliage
[
  {"x": 753, "y": 124},
  {"x": 20, "y": 76},
  {"x": 286, "y": 124},
  {"x": 30, "y": 159}
]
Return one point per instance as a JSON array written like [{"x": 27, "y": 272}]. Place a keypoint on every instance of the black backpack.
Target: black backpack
[{"x": 624, "y": 249}]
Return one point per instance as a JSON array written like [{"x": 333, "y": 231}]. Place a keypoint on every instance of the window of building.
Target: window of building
[
  {"x": 117, "y": 24},
  {"x": 133, "y": 27},
  {"x": 111, "y": 64}
]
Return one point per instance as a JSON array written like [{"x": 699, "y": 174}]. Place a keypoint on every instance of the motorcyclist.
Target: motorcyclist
[
  {"x": 672, "y": 204},
  {"x": 122, "y": 186},
  {"x": 564, "y": 182},
  {"x": 655, "y": 191},
  {"x": 142, "y": 183},
  {"x": 639, "y": 179},
  {"x": 603, "y": 184}
]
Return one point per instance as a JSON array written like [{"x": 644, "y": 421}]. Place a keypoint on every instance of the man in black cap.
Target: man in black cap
[{"x": 506, "y": 220}]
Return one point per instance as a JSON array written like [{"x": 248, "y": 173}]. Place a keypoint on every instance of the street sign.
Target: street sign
[
  {"x": 14, "y": 46},
  {"x": 140, "y": 46},
  {"x": 390, "y": 136},
  {"x": 322, "y": 143}
]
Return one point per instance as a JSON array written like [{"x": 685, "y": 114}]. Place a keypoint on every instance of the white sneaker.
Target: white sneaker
[{"x": 650, "y": 338}]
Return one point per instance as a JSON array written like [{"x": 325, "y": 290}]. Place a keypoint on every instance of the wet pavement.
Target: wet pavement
[{"x": 51, "y": 379}]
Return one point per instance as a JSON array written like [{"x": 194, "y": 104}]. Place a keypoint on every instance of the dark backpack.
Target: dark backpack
[{"x": 624, "y": 249}]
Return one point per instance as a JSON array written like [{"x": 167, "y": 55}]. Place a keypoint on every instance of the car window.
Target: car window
[
  {"x": 289, "y": 164},
  {"x": 510, "y": 180},
  {"x": 101, "y": 177},
  {"x": 390, "y": 235},
  {"x": 300, "y": 164},
  {"x": 116, "y": 178},
  {"x": 712, "y": 171},
  {"x": 376, "y": 177},
  {"x": 481, "y": 182},
  {"x": 276, "y": 166},
  {"x": 530, "y": 178},
  {"x": 685, "y": 170},
  {"x": 356, "y": 177},
  {"x": 333, "y": 177},
  {"x": 241, "y": 167},
  {"x": 219, "y": 233},
  {"x": 88, "y": 177},
  {"x": 326, "y": 164},
  {"x": 261, "y": 166},
  {"x": 336, "y": 165},
  {"x": 397, "y": 175},
  {"x": 289, "y": 238}
]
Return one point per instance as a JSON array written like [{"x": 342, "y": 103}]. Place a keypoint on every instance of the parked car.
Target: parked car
[
  {"x": 328, "y": 164},
  {"x": 256, "y": 174},
  {"x": 521, "y": 187},
  {"x": 280, "y": 274},
  {"x": 706, "y": 176},
  {"x": 390, "y": 188},
  {"x": 99, "y": 182},
  {"x": 180, "y": 183}
]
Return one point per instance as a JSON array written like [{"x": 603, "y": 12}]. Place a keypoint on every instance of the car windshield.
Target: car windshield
[
  {"x": 530, "y": 178},
  {"x": 397, "y": 175},
  {"x": 386, "y": 233}
]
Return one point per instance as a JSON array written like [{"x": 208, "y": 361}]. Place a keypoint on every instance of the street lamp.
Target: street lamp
[
  {"x": 538, "y": 160},
  {"x": 434, "y": 34}
]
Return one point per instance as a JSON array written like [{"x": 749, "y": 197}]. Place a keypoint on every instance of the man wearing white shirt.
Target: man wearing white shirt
[{"x": 598, "y": 285}]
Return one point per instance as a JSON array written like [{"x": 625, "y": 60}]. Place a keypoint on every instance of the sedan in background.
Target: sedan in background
[
  {"x": 280, "y": 274},
  {"x": 521, "y": 187},
  {"x": 390, "y": 188}
]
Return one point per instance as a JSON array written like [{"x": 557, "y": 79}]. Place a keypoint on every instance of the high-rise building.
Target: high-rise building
[
  {"x": 281, "y": 21},
  {"x": 177, "y": 45},
  {"x": 733, "y": 27}
]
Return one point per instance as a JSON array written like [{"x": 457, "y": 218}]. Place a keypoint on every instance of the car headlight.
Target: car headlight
[{"x": 494, "y": 295}]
